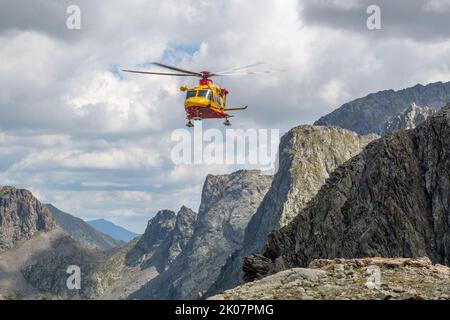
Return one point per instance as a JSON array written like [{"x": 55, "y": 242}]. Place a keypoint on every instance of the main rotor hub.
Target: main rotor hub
[{"x": 205, "y": 81}]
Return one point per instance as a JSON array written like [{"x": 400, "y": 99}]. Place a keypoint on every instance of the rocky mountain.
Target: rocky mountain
[
  {"x": 22, "y": 216},
  {"x": 35, "y": 251},
  {"x": 114, "y": 231},
  {"x": 307, "y": 156},
  {"x": 391, "y": 200},
  {"x": 352, "y": 279},
  {"x": 155, "y": 234},
  {"x": 81, "y": 231},
  {"x": 144, "y": 258},
  {"x": 227, "y": 204},
  {"x": 408, "y": 119},
  {"x": 48, "y": 273},
  {"x": 369, "y": 114},
  {"x": 175, "y": 242}
]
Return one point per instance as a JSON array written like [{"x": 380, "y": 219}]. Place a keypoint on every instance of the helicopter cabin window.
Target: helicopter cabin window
[
  {"x": 191, "y": 94},
  {"x": 203, "y": 93}
]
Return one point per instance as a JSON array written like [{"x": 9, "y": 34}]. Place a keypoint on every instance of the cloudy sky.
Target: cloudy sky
[{"x": 96, "y": 142}]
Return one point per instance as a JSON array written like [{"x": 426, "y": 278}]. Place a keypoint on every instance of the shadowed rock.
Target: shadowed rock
[
  {"x": 391, "y": 200},
  {"x": 307, "y": 155}
]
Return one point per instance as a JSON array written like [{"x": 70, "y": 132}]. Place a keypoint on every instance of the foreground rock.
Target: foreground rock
[
  {"x": 368, "y": 278},
  {"x": 21, "y": 217},
  {"x": 369, "y": 114},
  {"x": 391, "y": 200},
  {"x": 228, "y": 202},
  {"x": 307, "y": 156}
]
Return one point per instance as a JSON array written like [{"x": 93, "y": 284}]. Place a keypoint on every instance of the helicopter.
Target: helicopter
[{"x": 206, "y": 100}]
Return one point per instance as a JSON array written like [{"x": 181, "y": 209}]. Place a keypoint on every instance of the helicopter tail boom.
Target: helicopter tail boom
[{"x": 235, "y": 109}]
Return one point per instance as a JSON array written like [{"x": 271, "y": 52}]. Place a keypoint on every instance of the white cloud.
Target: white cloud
[
  {"x": 97, "y": 143},
  {"x": 437, "y": 5},
  {"x": 333, "y": 93}
]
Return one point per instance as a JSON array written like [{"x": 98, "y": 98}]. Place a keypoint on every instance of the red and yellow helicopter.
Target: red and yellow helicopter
[{"x": 207, "y": 100}]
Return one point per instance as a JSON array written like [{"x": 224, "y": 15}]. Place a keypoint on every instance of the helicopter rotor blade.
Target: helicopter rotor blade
[
  {"x": 198, "y": 74},
  {"x": 241, "y": 68},
  {"x": 246, "y": 73},
  {"x": 160, "y": 73}
]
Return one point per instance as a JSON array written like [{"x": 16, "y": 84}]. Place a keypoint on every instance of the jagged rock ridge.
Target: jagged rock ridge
[
  {"x": 307, "y": 155},
  {"x": 228, "y": 202},
  {"x": 21, "y": 217},
  {"x": 175, "y": 242},
  {"x": 155, "y": 234},
  {"x": 369, "y": 114},
  {"x": 392, "y": 200}
]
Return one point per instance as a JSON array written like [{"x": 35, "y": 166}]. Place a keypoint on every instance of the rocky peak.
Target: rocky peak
[
  {"x": 156, "y": 232},
  {"x": 409, "y": 119},
  {"x": 391, "y": 200},
  {"x": 307, "y": 156},
  {"x": 175, "y": 241},
  {"x": 228, "y": 202},
  {"x": 21, "y": 216},
  {"x": 183, "y": 231}
]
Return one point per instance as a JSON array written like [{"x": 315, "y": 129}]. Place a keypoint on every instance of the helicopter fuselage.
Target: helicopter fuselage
[{"x": 205, "y": 101}]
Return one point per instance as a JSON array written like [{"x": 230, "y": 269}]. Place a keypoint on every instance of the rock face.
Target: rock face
[
  {"x": 409, "y": 119},
  {"x": 392, "y": 200},
  {"x": 307, "y": 155},
  {"x": 48, "y": 273},
  {"x": 81, "y": 231},
  {"x": 228, "y": 202},
  {"x": 155, "y": 234},
  {"x": 369, "y": 114},
  {"x": 21, "y": 217},
  {"x": 356, "y": 279},
  {"x": 175, "y": 242}
]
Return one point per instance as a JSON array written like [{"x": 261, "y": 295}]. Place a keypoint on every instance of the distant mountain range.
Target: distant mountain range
[
  {"x": 82, "y": 232},
  {"x": 112, "y": 230},
  {"x": 371, "y": 113}
]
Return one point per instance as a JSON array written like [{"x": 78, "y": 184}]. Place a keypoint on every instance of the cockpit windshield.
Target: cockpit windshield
[
  {"x": 191, "y": 94},
  {"x": 204, "y": 93}
]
